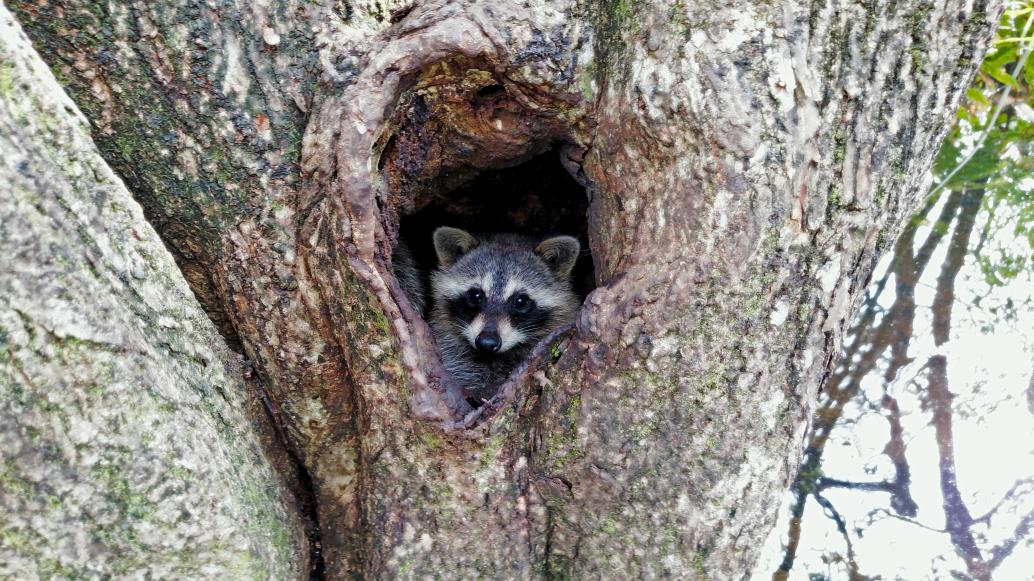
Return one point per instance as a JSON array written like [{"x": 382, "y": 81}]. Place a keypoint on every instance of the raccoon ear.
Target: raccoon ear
[
  {"x": 452, "y": 243},
  {"x": 560, "y": 253}
]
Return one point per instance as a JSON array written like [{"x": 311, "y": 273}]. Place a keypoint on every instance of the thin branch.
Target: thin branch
[
  {"x": 871, "y": 518},
  {"x": 958, "y": 247},
  {"x": 907, "y": 275},
  {"x": 899, "y": 488},
  {"x": 956, "y": 514},
  {"x": 901, "y": 500},
  {"x": 883, "y": 486},
  {"x": 831, "y": 511},
  {"x": 986, "y": 517},
  {"x": 1030, "y": 394},
  {"x": 1022, "y": 530}
]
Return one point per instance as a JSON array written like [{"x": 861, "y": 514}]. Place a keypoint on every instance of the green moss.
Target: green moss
[
  {"x": 14, "y": 539},
  {"x": 555, "y": 352},
  {"x": 6, "y": 79},
  {"x": 712, "y": 442},
  {"x": 880, "y": 196},
  {"x": 918, "y": 57},
  {"x": 613, "y": 20},
  {"x": 381, "y": 322},
  {"x": 697, "y": 564},
  {"x": 754, "y": 305},
  {"x": 571, "y": 411},
  {"x": 835, "y": 202},
  {"x": 491, "y": 451},
  {"x": 432, "y": 440},
  {"x": 881, "y": 240},
  {"x": 803, "y": 311},
  {"x": 405, "y": 566},
  {"x": 11, "y": 389},
  {"x": 623, "y": 11},
  {"x": 132, "y": 503},
  {"x": 225, "y": 429},
  {"x": 839, "y": 147},
  {"x": 12, "y": 482},
  {"x": 562, "y": 448},
  {"x": 918, "y": 22},
  {"x": 31, "y": 545},
  {"x": 655, "y": 394},
  {"x": 181, "y": 473},
  {"x": 678, "y": 21}
]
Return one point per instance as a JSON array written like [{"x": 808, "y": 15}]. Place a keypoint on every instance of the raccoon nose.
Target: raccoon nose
[{"x": 488, "y": 342}]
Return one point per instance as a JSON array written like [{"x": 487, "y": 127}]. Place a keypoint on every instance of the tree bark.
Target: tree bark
[
  {"x": 125, "y": 449},
  {"x": 745, "y": 164}
]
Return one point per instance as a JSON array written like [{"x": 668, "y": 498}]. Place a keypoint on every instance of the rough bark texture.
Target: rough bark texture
[
  {"x": 125, "y": 449},
  {"x": 746, "y": 165}
]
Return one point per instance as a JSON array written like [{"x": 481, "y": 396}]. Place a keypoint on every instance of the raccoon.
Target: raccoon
[
  {"x": 493, "y": 298},
  {"x": 406, "y": 272}
]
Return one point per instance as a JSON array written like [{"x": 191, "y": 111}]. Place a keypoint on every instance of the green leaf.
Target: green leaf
[
  {"x": 1003, "y": 77},
  {"x": 977, "y": 96}
]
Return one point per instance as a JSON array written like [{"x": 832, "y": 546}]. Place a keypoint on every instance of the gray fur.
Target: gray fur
[
  {"x": 452, "y": 243},
  {"x": 560, "y": 254},
  {"x": 509, "y": 262},
  {"x": 408, "y": 275}
]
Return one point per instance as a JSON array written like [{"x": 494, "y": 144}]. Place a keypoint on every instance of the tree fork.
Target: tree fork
[
  {"x": 125, "y": 446},
  {"x": 745, "y": 165}
]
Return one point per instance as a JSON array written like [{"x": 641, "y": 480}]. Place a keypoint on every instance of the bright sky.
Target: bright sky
[{"x": 994, "y": 444}]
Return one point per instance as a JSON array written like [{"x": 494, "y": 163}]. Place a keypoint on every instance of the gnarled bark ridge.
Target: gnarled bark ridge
[{"x": 746, "y": 165}]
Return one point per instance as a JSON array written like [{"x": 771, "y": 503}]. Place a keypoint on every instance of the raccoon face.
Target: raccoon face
[{"x": 504, "y": 291}]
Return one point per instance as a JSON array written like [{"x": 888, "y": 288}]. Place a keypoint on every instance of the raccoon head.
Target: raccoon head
[{"x": 503, "y": 291}]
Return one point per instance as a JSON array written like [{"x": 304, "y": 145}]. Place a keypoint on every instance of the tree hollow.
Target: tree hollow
[{"x": 466, "y": 147}]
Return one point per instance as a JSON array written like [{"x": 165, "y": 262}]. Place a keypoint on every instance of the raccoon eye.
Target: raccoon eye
[
  {"x": 474, "y": 297},
  {"x": 522, "y": 304}
]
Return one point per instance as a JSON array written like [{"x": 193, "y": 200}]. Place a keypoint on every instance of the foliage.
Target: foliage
[{"x": 995, "y": 128}]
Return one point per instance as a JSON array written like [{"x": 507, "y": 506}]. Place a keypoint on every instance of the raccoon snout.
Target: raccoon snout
[{"x": 488, "y": 342}]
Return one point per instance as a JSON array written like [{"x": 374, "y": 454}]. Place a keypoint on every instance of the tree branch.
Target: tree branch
[
  {"x": 832, "y": 512},
  {"x": 957, "y": 517}
]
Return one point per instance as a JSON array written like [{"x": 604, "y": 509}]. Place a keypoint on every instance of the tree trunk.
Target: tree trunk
[
  {"x": 125, "y": 449},
  {"x": 745, "y": 165}
]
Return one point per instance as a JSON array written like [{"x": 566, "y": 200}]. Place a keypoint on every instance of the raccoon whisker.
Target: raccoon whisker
[{"x": 531, "y": 330}]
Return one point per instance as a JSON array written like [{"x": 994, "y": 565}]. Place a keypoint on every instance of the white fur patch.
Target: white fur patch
[
  {"x": 512, "y": 286},
  {"x": 548, "y": 297},
  {"x": 509, "y": 336},
  {"x": 447, "y": 287},
  {"x": 471, "y": 331},
  {"x": 543, "y": 296}
]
